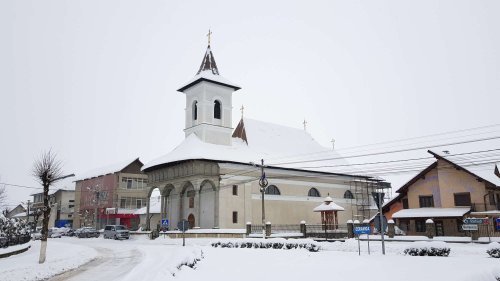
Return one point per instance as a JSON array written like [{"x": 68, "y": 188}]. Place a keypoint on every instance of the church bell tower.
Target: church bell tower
[{"x": 209, "y": 103}]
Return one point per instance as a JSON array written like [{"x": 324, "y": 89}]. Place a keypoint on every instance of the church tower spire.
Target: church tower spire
[{"x": 209, "y": 102}]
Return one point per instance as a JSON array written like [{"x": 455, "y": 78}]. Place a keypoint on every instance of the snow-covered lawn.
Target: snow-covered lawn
[
  {"x": 142, "y": 259},
  {"x": 61, "y": 256}
]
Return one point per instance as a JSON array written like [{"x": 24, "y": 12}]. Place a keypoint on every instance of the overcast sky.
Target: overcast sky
[{"x": 95, "y": 81}]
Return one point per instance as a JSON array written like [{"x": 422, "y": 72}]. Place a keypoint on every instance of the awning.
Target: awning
[{"x": 431, "y": 213}]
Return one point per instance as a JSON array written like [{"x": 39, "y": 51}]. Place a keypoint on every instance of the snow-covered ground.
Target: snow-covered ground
[{"x": 161, "y": 259}]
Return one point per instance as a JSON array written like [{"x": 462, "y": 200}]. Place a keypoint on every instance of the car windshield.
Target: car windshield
[{"x": 119, "y": 227}]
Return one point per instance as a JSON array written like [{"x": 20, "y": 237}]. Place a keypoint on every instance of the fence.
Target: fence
[
  {"x": 303, "y": 230},
  {"x": 326, "y": 231}
]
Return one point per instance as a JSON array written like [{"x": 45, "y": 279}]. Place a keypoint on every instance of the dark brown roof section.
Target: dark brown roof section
[
  {"x": 497, "y": 170},
  {"x": 439, "y": 157},
  {"x": 420, "y": 175},
  {"x": 208, "y": 63},
  {"x": 240, "y": 131}
]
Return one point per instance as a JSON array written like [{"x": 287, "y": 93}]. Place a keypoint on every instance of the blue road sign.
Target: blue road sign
[
  {"x": 475, "y": 221},
  {"x": 164, "y": 222},
  {"x": 498, "y": 223},
  {"x": 362, "y": 230}
]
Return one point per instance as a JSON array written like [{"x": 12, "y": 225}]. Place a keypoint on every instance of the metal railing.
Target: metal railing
[{"x": 329, "y": 231}]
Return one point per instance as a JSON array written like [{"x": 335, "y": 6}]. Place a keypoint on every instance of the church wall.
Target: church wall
[
  {"x": 179, "y": 176},
  {"x": 207, "y": 205}
]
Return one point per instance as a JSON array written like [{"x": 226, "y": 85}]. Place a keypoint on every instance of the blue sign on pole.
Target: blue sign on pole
[
  {"x": 164, "y": 222},
  {"x": 498, "y": 223},
  {"x": 362, "y": 230}
]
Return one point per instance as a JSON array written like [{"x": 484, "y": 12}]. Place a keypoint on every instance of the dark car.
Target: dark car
[{"x": 88, "y": 232}]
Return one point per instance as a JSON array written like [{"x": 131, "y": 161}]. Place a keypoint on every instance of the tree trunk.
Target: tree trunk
[{"x": 45, "y": 222}]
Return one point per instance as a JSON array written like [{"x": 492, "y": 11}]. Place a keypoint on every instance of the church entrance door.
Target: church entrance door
[{"x": 191, "y": 220}]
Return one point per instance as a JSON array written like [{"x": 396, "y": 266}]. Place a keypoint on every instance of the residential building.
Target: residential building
[
  {"x": 63, "y": 203},
  {"x": 110, "y": 195},
  {"x": 446, "y": 191}
]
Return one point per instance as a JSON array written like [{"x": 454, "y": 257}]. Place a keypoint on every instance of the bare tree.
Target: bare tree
[
  {"x": 3, "y": 195},
  {"x": 47, "y": 171}
]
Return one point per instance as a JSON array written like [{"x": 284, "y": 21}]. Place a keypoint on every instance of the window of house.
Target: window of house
[
  {"x": 273, "y": 190},
  {"x": 71, "y": 206},
  {"x": 420, "y": 225},
  {"x": 235, "y": 217},
  {"x": 71, "y": 201},
  {"x": 123, "y": 203},
  {"x": 462, "y": 199},
  {"x": 235, "y": 190},
  {"x": 195, "y": 110},
  {"x": 138, "y": 203},
  {"x": 348, "y": 195},
  {"x": 70, "y": 215},
  {"x": 313, "y": 192},
  {"x": 426, "y": 201},
  {"x": 491, "y": 198},
  {"x": 217, "y": 109},
  {"x": 405, "y": 203}
]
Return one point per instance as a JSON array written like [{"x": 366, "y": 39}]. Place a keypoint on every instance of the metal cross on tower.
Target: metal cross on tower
[{"x": 209, "y": 34}]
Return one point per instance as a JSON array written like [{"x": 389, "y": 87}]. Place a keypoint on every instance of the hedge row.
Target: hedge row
[
  {"x": 269, "y": 244},
  {"x": 437, "y": 249}
]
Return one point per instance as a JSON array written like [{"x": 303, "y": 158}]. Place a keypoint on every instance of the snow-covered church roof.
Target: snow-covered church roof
[{"x": 278, "y": 145}]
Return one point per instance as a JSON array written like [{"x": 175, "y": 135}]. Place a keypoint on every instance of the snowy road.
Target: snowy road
[{"x": 112, "y": 263}]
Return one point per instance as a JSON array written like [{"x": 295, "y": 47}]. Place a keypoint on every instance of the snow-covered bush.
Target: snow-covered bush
[
  {"x": 438, "y": 249},
  {"x": 494, "y": 250},
  {"x": 13, "y": 231},
  {"x": 275, "y": 243}
]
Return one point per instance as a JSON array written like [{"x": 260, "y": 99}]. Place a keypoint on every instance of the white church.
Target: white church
[{"x": 212, "y": 178}]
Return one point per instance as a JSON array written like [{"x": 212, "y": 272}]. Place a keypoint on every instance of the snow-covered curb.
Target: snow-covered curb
[{"x": 15, "y": 250}]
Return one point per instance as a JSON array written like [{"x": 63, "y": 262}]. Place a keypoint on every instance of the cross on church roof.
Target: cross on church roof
[
  {"x": 305, "y": 124},
  {"x": 208, "y": 35},
  {"x": 208, "y": 63},
  {"x": 242, "y": 109}
]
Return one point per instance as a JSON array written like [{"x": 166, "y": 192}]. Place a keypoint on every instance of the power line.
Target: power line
[
  {"x": 398, "y": 140},
  {"x": 387, "y": 152}
]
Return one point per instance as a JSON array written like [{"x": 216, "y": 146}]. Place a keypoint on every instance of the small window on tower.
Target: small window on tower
[
  {"x": 235, "y": 217},
  {"x": 217, "y": 109},
  {"x": 235, "y": 190},
  {"x": 195, "y": 110}
]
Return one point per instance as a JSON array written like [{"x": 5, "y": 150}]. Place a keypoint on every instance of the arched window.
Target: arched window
[
  {"x": 348, "y": 195},
  {"x": 195, "y": 110},
  {"x": 273, "y": 190},
  {"x": 313, "y": 192},
  {"x": 217, "y": 109}
]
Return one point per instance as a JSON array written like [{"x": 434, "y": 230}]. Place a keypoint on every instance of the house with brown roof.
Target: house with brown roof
[{"x": 446, "y": 192}]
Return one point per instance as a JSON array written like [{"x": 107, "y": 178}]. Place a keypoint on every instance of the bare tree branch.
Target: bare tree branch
[{"x": 47, "y": 170}]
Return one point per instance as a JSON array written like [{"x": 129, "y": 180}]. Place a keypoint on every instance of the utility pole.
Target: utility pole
[
  {"x": 263, "y": 184},
  {"x": 28, "y": 213}
]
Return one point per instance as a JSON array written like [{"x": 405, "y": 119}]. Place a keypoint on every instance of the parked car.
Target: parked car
[
  {"x": 87, "y": 232},
  {"x": 37, "y": 235},
  {"x": 116, "y": 232},
  {"x": 54, "y": 233}
]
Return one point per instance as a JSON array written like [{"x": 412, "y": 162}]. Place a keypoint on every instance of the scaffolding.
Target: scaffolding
[{"x": 363, "y": 205}]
